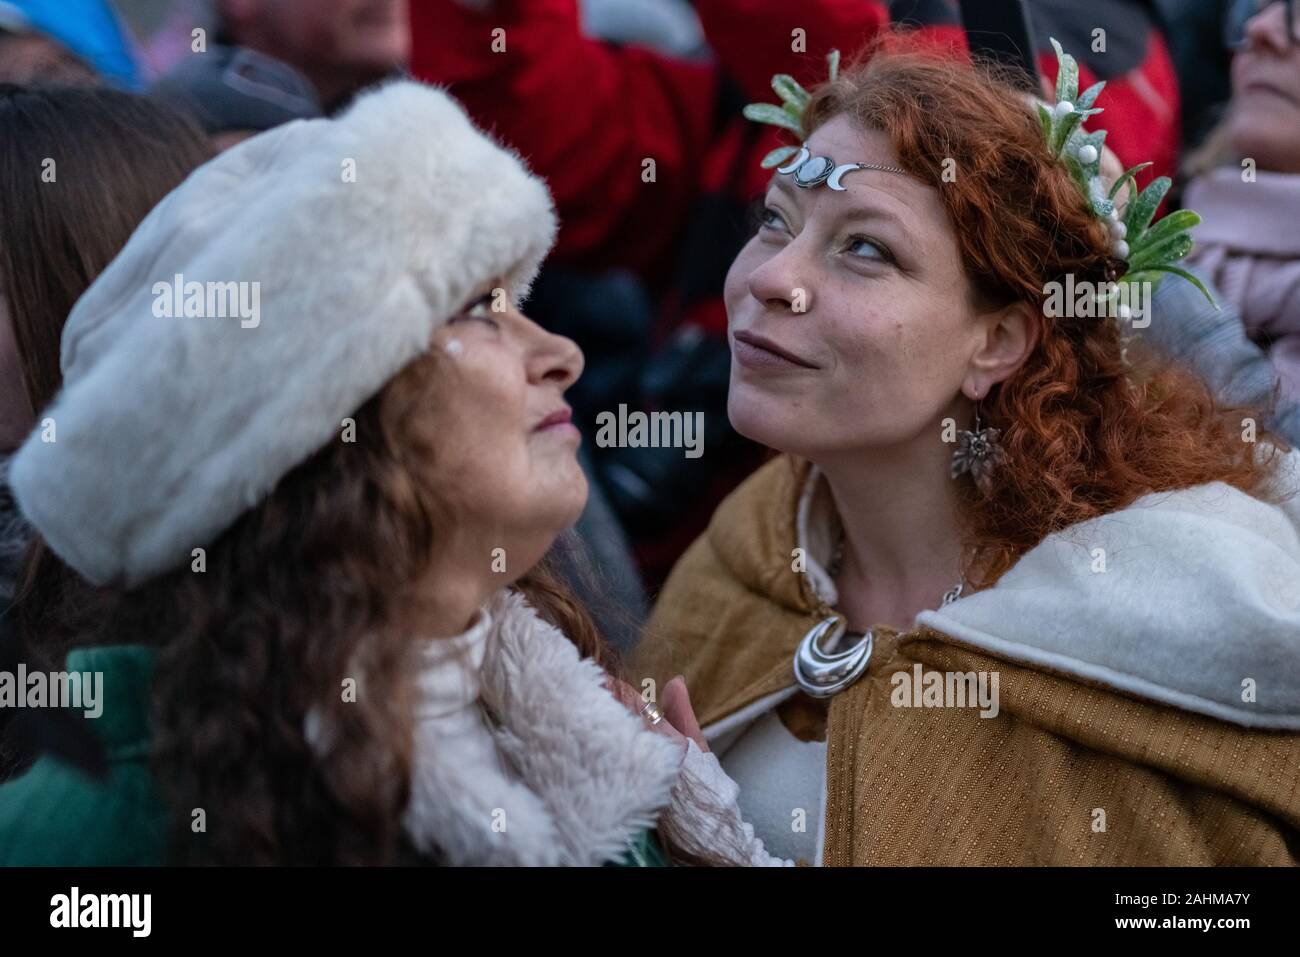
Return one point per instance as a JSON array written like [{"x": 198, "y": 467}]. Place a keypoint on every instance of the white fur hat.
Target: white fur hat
[{"x": 352, "y": 240}]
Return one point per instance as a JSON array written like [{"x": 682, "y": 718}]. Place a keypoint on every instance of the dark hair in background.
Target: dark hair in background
[{"x": 115, "y": 156}]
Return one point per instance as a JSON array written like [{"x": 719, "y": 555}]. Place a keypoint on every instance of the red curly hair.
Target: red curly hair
[{"x": 1085, "y": 432}]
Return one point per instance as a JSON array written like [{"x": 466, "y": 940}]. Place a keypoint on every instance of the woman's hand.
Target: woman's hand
[
  {"x": 679, "y": 722},
  {"x": 677, "y": 710}
]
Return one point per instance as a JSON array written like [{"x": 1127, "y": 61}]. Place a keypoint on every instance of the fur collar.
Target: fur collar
[{"x": 581, "y": 775}]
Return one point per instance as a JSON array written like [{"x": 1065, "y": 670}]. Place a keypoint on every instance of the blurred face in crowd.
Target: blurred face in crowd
[
  {"x": 503, "y": 447},
  {"x": 340, "y": 45},
  {"x": 31, "y": 58},
  {"x": 1265, "y": 120},
  {"x": 851, "y": 320},
  {"x": 16, "y": 418}
]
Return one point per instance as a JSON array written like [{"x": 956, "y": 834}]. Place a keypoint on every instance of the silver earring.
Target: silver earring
[{"x": 979, "y": 453}]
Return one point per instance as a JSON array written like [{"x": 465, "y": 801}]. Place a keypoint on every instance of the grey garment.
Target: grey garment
[
  {"x": 15, "y": 533},
  {"x": 1186, "y": 329},
  {"x": 595, "y": 561},
  {"x": 233, "y": 88}
]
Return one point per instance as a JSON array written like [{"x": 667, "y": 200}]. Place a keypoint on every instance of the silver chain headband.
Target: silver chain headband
[{"x": 811, "y": 171}]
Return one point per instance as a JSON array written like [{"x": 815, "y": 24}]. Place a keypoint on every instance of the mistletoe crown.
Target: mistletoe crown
[{"x": 1148, "y": 251}]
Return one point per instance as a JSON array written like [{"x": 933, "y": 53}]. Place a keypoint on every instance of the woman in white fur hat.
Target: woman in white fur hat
[{"x": 315, "y": 455}]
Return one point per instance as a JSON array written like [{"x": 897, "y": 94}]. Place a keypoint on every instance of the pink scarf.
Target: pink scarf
[{"x": 1249, "y": 245}]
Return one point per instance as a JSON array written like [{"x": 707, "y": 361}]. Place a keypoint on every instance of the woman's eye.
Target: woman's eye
[
  {"x": 480, "y": 308},
  {"x": 771, "y": 219},
  {"x": 864, "y": 248}
]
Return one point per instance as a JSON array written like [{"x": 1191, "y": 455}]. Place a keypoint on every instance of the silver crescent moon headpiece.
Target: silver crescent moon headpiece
[{"x": 811, "y": 171}]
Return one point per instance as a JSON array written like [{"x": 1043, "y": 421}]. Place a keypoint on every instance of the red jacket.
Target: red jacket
[{"x": 588, "y": 115}]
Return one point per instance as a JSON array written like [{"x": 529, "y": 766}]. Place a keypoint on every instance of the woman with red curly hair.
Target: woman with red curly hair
[{"x": 1012, "y": 593}]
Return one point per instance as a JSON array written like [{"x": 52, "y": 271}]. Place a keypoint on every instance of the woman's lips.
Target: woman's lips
[
  {"x": 764, "y": 355},
  {"x": 1264, "y": 86},
  {"x": 559, "y": 422}
]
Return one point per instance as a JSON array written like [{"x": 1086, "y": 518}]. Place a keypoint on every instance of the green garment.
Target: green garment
[
  {"x": 56, "y": 815},
  {"x": 643, "y": 851}
]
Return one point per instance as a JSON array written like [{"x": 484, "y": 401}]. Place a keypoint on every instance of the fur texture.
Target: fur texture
[
  {"x": 168, "y": 428},
  {"x": 583, "y": 775}
]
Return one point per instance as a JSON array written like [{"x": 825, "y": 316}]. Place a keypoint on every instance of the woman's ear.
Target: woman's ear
[{"x": 1010, "y": 334}]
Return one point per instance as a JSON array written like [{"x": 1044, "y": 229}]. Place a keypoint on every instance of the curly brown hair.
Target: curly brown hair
[{"x": 1086, "y": 430}]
